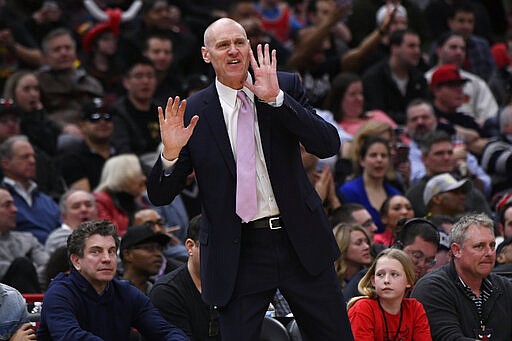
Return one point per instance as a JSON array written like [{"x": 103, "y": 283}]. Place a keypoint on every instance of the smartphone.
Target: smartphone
[{"x": 402, "y": 153}]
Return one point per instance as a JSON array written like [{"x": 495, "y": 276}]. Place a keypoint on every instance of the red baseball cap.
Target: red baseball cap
[{"x": 448, "y": 73}]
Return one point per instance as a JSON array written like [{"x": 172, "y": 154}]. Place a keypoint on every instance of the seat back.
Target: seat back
[
  {"x": 293, "y": 331},
  {"x": 273, "y": 330}
]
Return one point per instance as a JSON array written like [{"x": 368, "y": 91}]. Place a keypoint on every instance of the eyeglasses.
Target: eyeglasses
[
  {"x": 418, "y": 256},
  {"x": 99, "y": 116},
  {"x": 149, "y": 247}
]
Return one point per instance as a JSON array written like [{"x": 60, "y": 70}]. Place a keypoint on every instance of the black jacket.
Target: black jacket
[{"x": 451, "y": 313}]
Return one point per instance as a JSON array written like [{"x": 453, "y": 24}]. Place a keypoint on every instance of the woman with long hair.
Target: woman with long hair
[
  {"x": 346, "y": 102},
  {"x": 23, "y": 88},
  {"x": 354, "y": 243}
]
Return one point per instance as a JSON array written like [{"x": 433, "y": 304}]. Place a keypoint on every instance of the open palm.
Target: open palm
[
  {"x": 173, "y": 132},
  {"x": 266, "y": 85}
]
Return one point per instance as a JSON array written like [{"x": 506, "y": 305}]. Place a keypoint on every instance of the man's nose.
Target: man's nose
[
  {"x": 105, "y": 257},
  {"x": 232, "y": 48}
]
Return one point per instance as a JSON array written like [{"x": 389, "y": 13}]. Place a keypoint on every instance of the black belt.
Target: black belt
[{"x": 272, "y": 223}]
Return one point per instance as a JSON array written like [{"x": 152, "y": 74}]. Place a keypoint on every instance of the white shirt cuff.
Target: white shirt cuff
[
  {"x": 168, "y": 165},
  {"x": 279, "y": 100}
]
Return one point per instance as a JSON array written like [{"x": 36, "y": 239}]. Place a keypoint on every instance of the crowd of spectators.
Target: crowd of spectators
[{"x": 419, "y": 90}]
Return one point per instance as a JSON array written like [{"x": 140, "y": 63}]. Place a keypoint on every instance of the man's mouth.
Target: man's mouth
[{"x": 234, "y": 62}]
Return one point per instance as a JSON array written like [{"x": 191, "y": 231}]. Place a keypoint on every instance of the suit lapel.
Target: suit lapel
[{"x": 212, "y": 113}]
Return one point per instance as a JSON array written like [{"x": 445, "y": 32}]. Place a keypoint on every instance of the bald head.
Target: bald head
[{"x": 219, "y": 25}]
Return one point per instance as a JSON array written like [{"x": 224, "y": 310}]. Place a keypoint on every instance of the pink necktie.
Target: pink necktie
[{"x": 246, "y": 202}]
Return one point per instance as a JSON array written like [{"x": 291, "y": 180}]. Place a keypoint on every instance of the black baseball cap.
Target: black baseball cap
[
  {"x": 96, "y": 105},
  {"x": 140, "y": 234}
]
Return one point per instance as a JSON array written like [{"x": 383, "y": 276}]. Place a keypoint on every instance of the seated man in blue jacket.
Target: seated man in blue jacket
[{"x": 89, "y": 304}]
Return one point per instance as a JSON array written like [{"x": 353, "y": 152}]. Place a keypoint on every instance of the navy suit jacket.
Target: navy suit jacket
[{"x": 209, "y": 153}]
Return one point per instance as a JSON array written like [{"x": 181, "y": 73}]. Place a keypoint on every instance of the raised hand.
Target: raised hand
[
  {"x": 322, "y": 182},
  {"x": 173, "y": 132},
  {"x": 266, "y": 85}
]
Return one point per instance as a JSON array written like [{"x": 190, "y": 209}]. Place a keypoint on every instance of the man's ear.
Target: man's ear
[
  {"x": 436, "y": 199},
  {"x": 500, "y": 258},
  {"x": 127, "y": 256},
  {"x": 75, "y": 260},
  {"x": 206, "y": 54},
  {"x": 455, "y": 248},
  {"x": 189, "y": 245}
]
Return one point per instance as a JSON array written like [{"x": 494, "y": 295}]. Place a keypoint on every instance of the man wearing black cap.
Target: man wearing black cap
[
  {"x": 141, "y": 253},
  {"x": 83, "y": 161}
]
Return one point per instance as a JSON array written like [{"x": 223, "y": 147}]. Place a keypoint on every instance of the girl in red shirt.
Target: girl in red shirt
[{"x": 383, "y": 313}]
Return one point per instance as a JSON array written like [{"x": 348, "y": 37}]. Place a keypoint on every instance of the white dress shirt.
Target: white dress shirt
[{"x": 230, "y": 104}]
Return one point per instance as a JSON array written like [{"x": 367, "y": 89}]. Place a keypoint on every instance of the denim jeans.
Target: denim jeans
[{"x": 13, "y": 311}]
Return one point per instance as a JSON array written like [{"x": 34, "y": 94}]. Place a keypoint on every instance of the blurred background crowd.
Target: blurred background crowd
[{"x": 419, "y": 90}]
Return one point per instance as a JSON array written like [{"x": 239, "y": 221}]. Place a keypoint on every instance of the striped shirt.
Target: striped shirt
[{"x": 485, "y": 293}]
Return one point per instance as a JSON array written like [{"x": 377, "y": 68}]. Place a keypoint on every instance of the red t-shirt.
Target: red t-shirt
[
  {"x": 368, "y": 324},
  {"x": 386, "y": 238}
]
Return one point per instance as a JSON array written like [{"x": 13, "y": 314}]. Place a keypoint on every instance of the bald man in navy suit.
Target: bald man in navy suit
[{"x": 288, "y": 244}]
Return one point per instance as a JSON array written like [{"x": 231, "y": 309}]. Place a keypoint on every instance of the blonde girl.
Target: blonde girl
[{"x": 383, "y": 313}]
